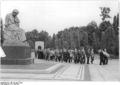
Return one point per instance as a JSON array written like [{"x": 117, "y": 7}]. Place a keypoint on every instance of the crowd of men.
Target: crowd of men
[{"x": 80, "y": 56}]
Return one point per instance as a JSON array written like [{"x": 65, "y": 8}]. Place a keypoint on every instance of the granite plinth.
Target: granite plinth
[{"x": 17, "y": 55}]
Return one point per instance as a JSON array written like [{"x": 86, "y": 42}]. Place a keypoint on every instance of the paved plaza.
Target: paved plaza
[{"x": 50, "y": 70}]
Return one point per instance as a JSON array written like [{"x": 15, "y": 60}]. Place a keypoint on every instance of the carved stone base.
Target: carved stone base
[{"x": 17, "y": 55}]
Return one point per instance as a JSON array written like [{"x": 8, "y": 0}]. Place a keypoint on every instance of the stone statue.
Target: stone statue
[
  {"x": 12, "y": 30},
  {"x": 15, "y": 46}
]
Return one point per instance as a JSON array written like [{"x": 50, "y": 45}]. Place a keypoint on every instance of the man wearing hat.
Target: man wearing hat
[{"x": 12, "y": 28}]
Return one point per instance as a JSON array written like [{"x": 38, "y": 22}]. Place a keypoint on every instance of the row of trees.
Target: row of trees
[
  {"x": 34, "y": 35},
  {"x": 105, "y": 35}
]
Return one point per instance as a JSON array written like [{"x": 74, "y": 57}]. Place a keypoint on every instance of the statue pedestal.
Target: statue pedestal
[{"x": 17, "y": 55}]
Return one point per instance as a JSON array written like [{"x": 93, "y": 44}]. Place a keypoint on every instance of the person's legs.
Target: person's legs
[
  {"x": 56, "y": 58},
  {"x": 59, "y": 58},
  {"x": 78, "y": 60},
  {"x": 81, "y": 60},
  {"x": 84, "y": 59},
  {"x": 87, "y": 59},
  {"x": 69, "y": 59},
  {"x": 104, "y": 60},
  {"x": 107, "y": 61},
  {"x": 74, "y": 60},
  {"x": 92, "y": 59},
  {"x": 100, "y": 62},
  {"x": 50, "y": 57}
]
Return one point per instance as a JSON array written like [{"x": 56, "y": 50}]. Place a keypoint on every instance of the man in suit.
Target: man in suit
[
  {"x": 101, "y": 57},
  {"x": 105, "y": 58},
  {"x": 88, "y": 55}
]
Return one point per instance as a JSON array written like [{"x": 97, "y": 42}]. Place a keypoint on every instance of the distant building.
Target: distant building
[{"x": 39, "y": 43}]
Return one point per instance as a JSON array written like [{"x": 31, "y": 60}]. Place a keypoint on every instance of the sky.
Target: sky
[{"x": 53, "y": 16}]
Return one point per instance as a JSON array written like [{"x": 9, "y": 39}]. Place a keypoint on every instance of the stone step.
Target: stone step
[{"x": 33, "y": 71}]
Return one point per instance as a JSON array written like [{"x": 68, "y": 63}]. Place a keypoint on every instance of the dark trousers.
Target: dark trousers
[
  {"x": 101, "y": 61},
  {"x": 105, "y": 60},
  {"x": 92, "y": 59},
  {"x": 59, "y": 58},
  {"x": 87, "y": 59}
]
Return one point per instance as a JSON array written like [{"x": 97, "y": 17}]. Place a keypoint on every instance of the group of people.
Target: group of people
[{"x": 81, "y": 56}]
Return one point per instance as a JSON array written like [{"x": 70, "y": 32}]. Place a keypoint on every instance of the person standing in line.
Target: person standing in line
[
  {"x": 56, "y": 55},
  {"x": 47, "y": 54},
  {"x": 79, "y": 56},
  {"x": 68, "y": 56},
  {"x": 101, "y": 57},
  {"x": 65, "y": 55},
  {"x": 88, "y": 55},
  {"x": 52, "y": 55},
  {"x": 75, "y": 56},
  {"x": 83, "y": 59},
  {"x": 105, "y": 57},
  {"x": 71, "y": 56}
]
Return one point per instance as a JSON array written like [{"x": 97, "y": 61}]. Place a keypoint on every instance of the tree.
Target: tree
[
  {"x": 91, "y": 27},
  {"x": 34, "y": 35},
  {"x": 104, "y": 25},
  {"x": 116, "y": 24},
  {"x": 116, "y": 30},
  {"x": 103, "y": 40},
  {"x": 31, "y": 37},
  {"x": 107, "y": 34},
  {"x": 93, "y": 24},
  {"x": 44, "y": 36},
  {"x": 110, "y": 39},
  {"x": 53, "y": 41},
  {"x": 105, "y": 13}
]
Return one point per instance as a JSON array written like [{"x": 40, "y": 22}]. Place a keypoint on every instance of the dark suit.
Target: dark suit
[{"x": 101, "y": 58}]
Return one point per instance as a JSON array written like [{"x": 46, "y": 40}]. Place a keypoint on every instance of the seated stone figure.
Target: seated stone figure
[{"x": 12, "y": 32}]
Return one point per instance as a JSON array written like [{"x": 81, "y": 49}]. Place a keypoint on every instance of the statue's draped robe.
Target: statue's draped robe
[{"x": 12, "y": 29}]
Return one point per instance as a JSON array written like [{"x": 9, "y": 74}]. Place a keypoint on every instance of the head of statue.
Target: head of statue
[{"x": 15, "y": 12}]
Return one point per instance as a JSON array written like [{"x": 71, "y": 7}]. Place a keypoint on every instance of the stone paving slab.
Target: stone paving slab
[
  {"x": 73, "y": 72},
  {"x": 110, "y": 72}
]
